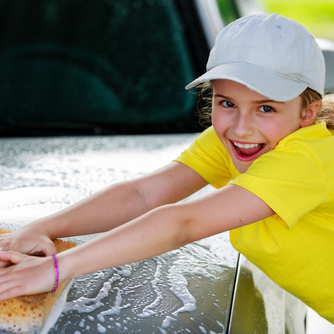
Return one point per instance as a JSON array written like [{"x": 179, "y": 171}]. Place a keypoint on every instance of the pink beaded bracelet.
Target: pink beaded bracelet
[{"x": 56, "y": 274}]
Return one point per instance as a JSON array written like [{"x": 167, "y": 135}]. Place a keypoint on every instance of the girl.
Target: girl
[{"x": 267, "y": 78}]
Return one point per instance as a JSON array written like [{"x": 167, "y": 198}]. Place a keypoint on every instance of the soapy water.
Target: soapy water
[
  {"x": 184, "y": 291},
  {"x": 189, "y": 288}
]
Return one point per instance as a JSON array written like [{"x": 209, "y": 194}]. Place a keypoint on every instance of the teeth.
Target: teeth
[{"x": 246, "y": 145}]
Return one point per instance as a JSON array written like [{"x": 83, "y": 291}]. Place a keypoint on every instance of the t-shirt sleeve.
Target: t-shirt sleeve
[
  {"x": 208, "y": 157},
  {"x": 289, "y": 180}
]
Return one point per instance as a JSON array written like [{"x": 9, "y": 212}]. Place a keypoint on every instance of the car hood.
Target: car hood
[{"x": 186, "y": 290}]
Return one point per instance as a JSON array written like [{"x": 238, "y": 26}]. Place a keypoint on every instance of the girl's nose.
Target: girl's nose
[{"x": 243, "y": 125}]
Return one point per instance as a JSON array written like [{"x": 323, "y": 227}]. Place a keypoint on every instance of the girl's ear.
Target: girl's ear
[{"x": 309, "y": 114}]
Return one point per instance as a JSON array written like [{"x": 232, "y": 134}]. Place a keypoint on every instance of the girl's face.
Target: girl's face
[{"x": 249, "y": 124}]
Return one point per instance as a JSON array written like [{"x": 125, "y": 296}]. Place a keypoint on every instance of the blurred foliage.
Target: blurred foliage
[
  {"x": 316, "y": 15},
  {"x": 228, "y": 10}
]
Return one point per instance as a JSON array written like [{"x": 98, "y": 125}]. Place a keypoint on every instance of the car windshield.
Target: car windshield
[{"x": 119, "y": 65}]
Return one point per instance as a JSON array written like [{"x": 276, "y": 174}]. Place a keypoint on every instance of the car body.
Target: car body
[{"x": 92, "y": 93}]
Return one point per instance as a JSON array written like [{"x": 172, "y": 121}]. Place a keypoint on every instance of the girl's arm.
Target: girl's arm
[
  {"x": 166, "y": 228},
  {"x": 123, "y": 202},
  {"x": 158, "y": 231},
  {"x": 107, "y": 209}
]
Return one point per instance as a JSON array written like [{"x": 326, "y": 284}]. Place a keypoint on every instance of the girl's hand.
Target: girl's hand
[
  {"x": 27, "y": 240},
  {"x": 27, "y": 275}
]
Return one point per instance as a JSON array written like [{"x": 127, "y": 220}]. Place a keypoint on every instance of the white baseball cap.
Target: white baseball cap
[{"x": 270, "y": 54}]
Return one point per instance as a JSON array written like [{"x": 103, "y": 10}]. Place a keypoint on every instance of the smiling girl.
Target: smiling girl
[
  {"x": 248, "y": 124},
  {"x": 267, "y": 153}
]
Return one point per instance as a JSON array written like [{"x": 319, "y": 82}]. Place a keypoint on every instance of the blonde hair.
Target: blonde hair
[{"x": 325, "y": 113}]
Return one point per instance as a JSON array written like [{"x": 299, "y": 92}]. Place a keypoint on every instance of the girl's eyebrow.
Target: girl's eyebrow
[
  {"x": 268, "y": 101},
  {"x": 222, "y": 96},
  {"x": 255, "y": 101}
]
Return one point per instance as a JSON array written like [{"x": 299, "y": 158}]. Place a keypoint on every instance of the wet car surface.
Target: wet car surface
[{"x": 186, "y": 290}]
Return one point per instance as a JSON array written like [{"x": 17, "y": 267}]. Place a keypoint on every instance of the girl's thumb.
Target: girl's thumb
[{"x": 49, "y": 249}]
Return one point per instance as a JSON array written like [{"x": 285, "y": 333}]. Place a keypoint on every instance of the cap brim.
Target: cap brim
[{"x": 266, "y": 82}]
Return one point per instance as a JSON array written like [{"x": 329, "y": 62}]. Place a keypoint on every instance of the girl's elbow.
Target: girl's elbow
[
  {"x": 176, "y": 225},
  {"x": 184, "y": 229}
]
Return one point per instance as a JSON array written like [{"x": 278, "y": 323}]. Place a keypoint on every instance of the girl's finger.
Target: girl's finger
[
  {"x": 4, "y": 264},
  {"x": 11, "y": 257}
]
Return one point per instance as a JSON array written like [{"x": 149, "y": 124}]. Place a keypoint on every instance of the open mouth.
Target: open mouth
[{"x": 247, "y": 151}]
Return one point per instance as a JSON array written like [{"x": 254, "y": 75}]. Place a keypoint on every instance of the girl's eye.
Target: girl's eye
[
  {"x": 266, "y": 109},
  {"x": 227, "y": 104}
]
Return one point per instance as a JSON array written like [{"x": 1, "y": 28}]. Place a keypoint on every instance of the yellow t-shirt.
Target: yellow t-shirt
[{"x": 295, "y": 247}]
